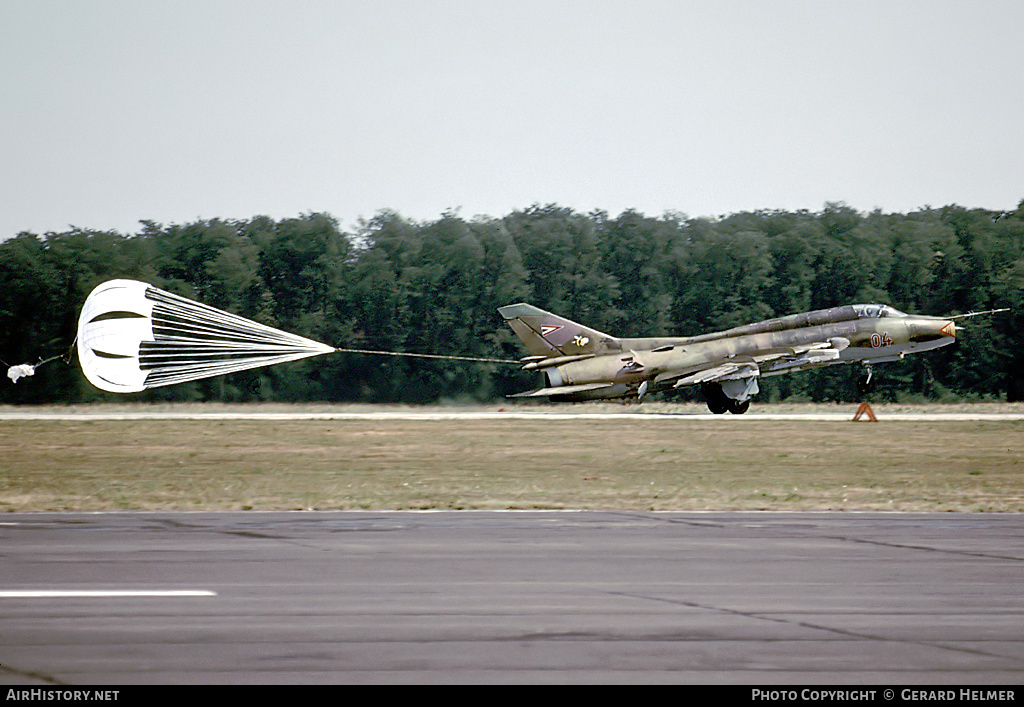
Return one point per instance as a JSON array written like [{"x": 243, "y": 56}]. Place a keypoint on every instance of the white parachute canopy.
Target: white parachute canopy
[{"x": 133, "y": 336}]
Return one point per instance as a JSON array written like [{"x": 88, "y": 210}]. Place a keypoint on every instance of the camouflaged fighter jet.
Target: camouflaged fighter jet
[{"x": 584, "y": 364}]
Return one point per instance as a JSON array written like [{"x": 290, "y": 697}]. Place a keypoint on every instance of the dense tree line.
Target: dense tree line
[{"x": 434, "y": 287}]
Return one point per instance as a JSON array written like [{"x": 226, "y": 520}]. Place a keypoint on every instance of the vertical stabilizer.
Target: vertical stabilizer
[{"x": 546, "y": 334}]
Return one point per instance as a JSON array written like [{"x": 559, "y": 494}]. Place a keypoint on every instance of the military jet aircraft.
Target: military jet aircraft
[{"x": 584, "y": 364}]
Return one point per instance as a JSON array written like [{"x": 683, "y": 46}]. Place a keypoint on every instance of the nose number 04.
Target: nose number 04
[{"x": 878, "y": 340}]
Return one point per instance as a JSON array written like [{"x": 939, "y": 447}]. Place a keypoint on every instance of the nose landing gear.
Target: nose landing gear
[{"x": 864, "y": 384}]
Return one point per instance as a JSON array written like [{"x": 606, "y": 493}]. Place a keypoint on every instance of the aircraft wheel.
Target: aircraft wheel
[
  {"x": 865, "y": 385},
  {"x": 738, "y": 408},
  {"x": 717, "y": 401}
]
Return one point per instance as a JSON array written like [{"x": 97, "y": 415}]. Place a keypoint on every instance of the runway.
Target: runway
[
  {"x": 353, "y": 597},
  {"x": 501, "y": 414}
]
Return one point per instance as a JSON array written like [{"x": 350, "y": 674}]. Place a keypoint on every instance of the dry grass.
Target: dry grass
[{"x": 662, "y": 463}]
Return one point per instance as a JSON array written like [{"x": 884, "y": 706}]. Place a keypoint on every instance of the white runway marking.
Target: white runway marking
[{"x": 101, "y": 593}]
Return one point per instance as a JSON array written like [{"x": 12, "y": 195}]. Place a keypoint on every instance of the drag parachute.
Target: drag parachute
[{"x": 133, "y": 336}]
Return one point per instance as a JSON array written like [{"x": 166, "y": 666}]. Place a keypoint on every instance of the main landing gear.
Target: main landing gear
[{"x": 720, "y": 403}]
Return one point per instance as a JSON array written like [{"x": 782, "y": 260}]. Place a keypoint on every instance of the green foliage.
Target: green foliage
[{"x": 434, "y": 287}]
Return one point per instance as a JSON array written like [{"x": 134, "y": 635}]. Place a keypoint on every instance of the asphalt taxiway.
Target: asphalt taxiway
[{"x": 511, "y": 597}]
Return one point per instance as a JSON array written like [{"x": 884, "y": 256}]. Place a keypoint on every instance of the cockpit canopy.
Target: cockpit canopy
[{"x": 874, "y": 311}]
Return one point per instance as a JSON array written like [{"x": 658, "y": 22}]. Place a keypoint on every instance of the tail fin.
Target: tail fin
[{"x": 546, "y": 334}]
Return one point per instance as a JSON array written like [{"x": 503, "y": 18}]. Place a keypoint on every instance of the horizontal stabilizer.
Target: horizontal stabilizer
[{"x": 561, "y": 390}]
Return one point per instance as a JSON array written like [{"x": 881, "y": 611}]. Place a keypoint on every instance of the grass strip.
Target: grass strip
[{"x": 664, "y": 463}]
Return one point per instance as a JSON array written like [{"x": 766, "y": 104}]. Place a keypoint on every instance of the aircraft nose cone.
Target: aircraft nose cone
[{"x": 932, "y": 330}]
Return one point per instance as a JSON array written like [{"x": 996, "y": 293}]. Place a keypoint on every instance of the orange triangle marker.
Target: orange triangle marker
[{"x": 865, "y": 408}]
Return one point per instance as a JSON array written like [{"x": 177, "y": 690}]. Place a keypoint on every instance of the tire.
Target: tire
[
  {"x": 717, "y": 401},
  {"x": 864, "y": 387},
  {"x": 738, "y": 408}
]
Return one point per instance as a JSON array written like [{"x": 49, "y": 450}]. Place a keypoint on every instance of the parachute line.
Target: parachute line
[{"x": 436, "y": 356}]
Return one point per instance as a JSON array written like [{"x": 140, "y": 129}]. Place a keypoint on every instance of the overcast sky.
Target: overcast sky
[{"x": 172, "y": 110}]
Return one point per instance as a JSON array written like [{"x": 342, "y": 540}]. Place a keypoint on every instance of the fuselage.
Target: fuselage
[{"x": 853, "y": 333}]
